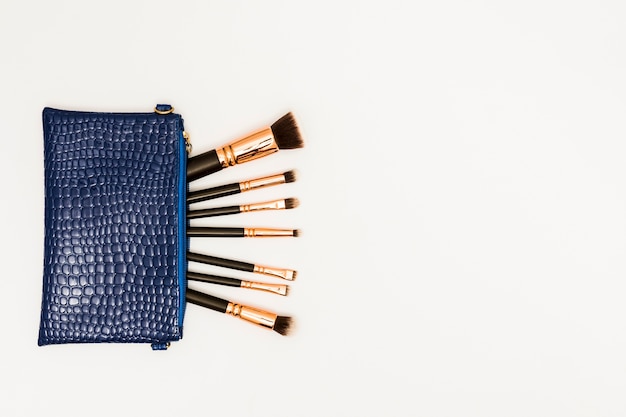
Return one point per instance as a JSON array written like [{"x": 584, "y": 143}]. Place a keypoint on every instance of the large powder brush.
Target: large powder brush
[{"x": 283, "y": 134}]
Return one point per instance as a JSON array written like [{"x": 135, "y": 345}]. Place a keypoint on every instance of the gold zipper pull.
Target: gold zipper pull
[
  {"x": 188, "y": 145},
  {"x": 163, "y": 109}
]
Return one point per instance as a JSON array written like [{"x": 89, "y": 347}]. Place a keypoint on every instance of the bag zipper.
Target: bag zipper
[
  {"x": 182, "y": 220},
  {"x": 184, "y": 150}
]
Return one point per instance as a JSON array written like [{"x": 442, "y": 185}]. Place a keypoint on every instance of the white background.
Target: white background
[{"x": 463, "y": 192}]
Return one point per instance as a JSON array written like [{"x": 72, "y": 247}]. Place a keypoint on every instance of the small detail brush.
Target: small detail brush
[
  {"x": 240, "y": 187},
  {"x": 286, "y": 274},
  {"x": 280, "y": 324},
  {"x": 284, "y": 204},
  {"x": 283, "y": 134},
  {"x": 240, "y": 232},
  {"x": 279, "y": 289}
]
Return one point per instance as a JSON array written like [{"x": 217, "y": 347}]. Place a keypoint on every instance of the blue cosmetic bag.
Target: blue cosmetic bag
[{"x": 115, "y": 227}]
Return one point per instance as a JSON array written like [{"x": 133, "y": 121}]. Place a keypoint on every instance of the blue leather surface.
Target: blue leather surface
[{"x": 112, "y": 250}]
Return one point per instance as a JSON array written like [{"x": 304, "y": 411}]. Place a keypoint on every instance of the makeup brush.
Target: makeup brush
[
  {"x": 283, "y": 134},
  {"x": 283, "y": 204},
  {"x": 279, "y": 289},
  {"x": 287, "y": 274},
  {"x": 280, "y": 324},
  {"x": 240, "y": 187},
  {"x": 240, "y": 232}
]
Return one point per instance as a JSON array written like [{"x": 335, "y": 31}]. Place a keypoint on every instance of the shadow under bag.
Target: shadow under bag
[{"x": 115, "y": 227}]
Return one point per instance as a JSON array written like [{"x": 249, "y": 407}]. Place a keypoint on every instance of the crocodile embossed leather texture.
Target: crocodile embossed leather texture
[{"x": 113, "y": 247}]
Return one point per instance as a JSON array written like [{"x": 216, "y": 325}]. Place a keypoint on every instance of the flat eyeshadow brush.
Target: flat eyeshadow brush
[
  {"x": 283, "y": 134},
  {"x": 240, "y": 187},
  {"x": 279, "y": 289},
  {"x": 240, "y": 232},
  {"x": 266, "y": 319},
  {"x": 287, "y": 274},
  {"x": 283, "y": 204}
]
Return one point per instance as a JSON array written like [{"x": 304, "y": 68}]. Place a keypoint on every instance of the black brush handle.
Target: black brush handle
[
  {"x": 213, "y": 279},
  {"x": 221, "y": 262},
  {"x": 215, "y": 232},
  {"x": 214, "y": 192},
  {"x": 201, "y": 165},
  {"x": 206, "y": 300},
  {"x": 212, "y": 212}
]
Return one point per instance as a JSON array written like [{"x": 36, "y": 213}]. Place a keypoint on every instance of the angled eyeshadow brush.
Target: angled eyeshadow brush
[
  {"x": 283, "y": 134},
  {"x": 280, "y": 289},
  {"x": 240, "y": 232},
  {"x": 283, "y": 204},
  {"x": 287, "y": 274},
  {"x": 240, "y": 187},
  {"x": 266, "y": 319}
]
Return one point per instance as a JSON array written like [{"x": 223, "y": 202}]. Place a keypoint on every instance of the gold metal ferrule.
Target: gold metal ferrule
[
  {"x": 261, "y": 232},
  {"x": 287, "y": 274},
  {"x": 267, "y": 205},
  {"x": 262, "y": 182},
  {"x": 253, "y": 315},
  {"x": 254, "y": 146},
  {"x": 262, "y": 286}
]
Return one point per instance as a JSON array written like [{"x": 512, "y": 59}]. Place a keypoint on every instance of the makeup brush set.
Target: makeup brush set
[
  {"x": 117, "y": 225},
  {"x": 282, "y": 134}
]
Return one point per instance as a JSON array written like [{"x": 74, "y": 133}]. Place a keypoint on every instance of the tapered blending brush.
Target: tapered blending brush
[
  {"x": 240, "y": 232},
  {"x": 240, "y": 187},
  {"x": 279, "y": 289},
  {"x": 287, "y": 274},
  {"x": 283, "y": 204},
  {"x": 280, "y": 324},
  {"x": 283, "y": 134}
]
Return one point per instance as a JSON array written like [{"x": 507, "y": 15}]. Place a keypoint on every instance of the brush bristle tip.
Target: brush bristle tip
[
  {"x": 282, "y": 325},
  {"x": 290, "y": 176},
  {"x": 286, "y": 132},
  {"x": 296, "y": 233},
  {"x": 291, "y": 203}
]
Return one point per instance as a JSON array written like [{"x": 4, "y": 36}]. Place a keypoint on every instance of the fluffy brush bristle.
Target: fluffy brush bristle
[
  {"x": 286, "y": 132},
  {"x": 291, "y": 203},
  {"x": 290, "y": 176},
  {"x": 282, "y": 325}
]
